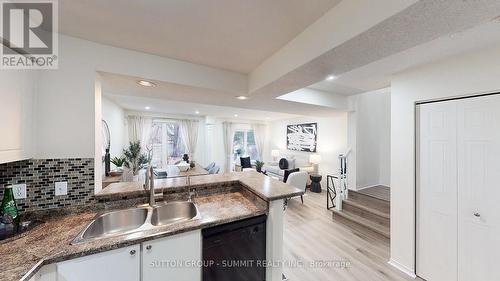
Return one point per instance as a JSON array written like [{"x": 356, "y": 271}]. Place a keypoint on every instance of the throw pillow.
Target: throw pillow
[
  {"x": 283, "y": 164},
  {"x": 288, "y": 172},
  {"x": 245, "y": 162}
]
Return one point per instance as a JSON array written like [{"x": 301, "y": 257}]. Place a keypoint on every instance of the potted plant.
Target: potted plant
[
  {"x": 118, "y": 162},
  {"x": 134, "y": 160},
  {"x": 259, "y": 165},
  {"x": 192, "y": 164}
]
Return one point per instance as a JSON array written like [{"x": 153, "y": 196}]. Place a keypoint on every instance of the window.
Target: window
[
  {"x": 244, "y": 145},
  {"x": 168, "y": 146}
]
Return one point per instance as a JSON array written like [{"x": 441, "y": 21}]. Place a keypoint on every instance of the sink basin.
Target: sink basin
[
  {"x": 173, "y": 212},
  {"x": 125, "y": 222},
  {"x": 113, "y": 223}
]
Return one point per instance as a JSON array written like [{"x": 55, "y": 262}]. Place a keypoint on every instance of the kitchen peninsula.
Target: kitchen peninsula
[{"x": 220, "y": 199}]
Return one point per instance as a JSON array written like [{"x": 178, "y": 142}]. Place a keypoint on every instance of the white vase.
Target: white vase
[{"x": 127, "y": 175}]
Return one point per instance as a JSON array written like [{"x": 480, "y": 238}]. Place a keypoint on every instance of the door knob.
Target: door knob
[
  {"x": 477, "y": 215},
  {"x": 132, "y": 252},
  {"x": 148, "y": 247}
]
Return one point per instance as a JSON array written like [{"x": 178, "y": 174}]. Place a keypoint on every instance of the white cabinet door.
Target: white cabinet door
[
  {"x": 478, "y": 135},
  {"x": 458, "y": 210},
  {"x": 117, "y": 265},
  {"x": 437, "y": 193},
  {"x": 16, "y": 111},
  {"x": 172, "y": 258}
]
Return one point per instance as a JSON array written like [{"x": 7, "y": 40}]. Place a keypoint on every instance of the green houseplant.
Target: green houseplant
[
  {"x": 259, "y": 165},
  {"x": 118, "y": 161},
  {"x": 134, "y": 160}
]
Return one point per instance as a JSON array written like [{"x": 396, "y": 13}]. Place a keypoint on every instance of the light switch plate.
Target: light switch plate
[
  {"x": 19, "y": 191},
  {"x": 61, "y": 188}
]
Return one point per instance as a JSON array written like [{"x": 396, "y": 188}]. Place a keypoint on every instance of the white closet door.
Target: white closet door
[
  {"x": 478, "y": 135},
  {"x": 437, "y": 192}
]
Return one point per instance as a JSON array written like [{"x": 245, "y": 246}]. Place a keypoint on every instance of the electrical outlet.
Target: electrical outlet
[
  {"x": 61, "y": 188},
  {"x": 19, "y": 191}
]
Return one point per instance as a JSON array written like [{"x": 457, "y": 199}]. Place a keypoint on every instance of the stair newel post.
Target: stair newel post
[
  {"x": 340, "y": 189},
  {"x": 343, "y": 189},
  {"x": 344, "y": 176}
]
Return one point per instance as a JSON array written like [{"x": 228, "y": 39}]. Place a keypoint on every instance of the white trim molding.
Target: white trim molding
[
  {"x": 402, "y": 268},
  {"x": 368, "y": 186}
]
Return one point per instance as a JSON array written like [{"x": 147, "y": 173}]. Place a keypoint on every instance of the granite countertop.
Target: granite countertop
[
  {"x": 49, "y": 242},
  {"x": 265, "y": 187}
]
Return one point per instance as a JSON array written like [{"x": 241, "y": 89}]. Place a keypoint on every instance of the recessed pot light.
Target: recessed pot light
[
  {"x": 147, "y": 107},
  {"x": 330, "y": 78},
  {"x": 196, "y": 112},
  {"x": 146, "y": 83},
  {"x": 236, "y": 115},
  {"x": 242, "y": 97}
]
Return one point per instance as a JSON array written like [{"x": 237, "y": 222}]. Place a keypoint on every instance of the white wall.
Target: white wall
[
  {"x": 372, "y": 113},
  {"x": 332, "y": 140},
  {"x": 66, "y": 96},
  {"x": 114, "y": 115},
  {"x": 457, "y": 76}
]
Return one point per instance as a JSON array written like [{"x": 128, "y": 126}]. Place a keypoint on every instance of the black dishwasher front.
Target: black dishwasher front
[{"x": 235, "y": 251}]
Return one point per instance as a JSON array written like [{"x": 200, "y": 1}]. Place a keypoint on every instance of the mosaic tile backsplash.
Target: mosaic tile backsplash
[{"x": 39, "y": 175}]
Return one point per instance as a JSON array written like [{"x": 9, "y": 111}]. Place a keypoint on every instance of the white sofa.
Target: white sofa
[{"x": 273, "y": 170}]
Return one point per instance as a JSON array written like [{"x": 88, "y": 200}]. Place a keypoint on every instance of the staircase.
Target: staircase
[{"x": 365, "y": 211}]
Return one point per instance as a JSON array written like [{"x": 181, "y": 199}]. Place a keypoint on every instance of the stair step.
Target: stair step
[
  {"x": 366, "y": 212},
  {"x": 367, "y": 200},
  {"x": 358, "y": 221}
]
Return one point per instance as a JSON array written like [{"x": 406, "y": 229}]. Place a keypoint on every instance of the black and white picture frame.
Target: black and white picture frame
[{"x": 302, "y": 137}]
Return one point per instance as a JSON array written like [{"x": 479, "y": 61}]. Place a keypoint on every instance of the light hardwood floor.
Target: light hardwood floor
[
  {"x": 379, "y": 191},
  {"x": 311, "y": 235}
]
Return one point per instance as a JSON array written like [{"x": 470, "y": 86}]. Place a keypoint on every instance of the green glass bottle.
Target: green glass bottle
[{"x": 8, "y": 207}]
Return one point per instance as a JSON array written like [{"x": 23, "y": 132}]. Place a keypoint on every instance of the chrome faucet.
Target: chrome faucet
[
  {"x": 149, "y": 183},
  {"x": 191, "y": 192}
]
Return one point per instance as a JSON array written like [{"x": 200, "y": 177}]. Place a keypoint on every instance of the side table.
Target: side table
[{"x": 316, "y": 183}]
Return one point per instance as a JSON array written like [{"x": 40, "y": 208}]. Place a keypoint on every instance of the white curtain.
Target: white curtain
[
  {"x": 189, "y": 132},
  {"x": 228, "y": 135},
  {"x": 139, "y": 129},
  {"x": 259, "y": 131}
]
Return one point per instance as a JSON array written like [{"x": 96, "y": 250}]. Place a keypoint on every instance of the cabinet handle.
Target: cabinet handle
[
  {"x": 477, "y": 214},
  {"x": 148, "y": 247},
  {"x": 132, "y": 252}
]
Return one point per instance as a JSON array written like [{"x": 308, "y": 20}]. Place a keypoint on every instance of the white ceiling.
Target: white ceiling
[
  {"x": 134, "y": 103},
  {"x": 122, "y": 85},
  {"x": 377, "y": 75},
  {"x": 420, "y": 34},
  {"x": 373, "y": 76},
  {"x": 231, "y": 34},
  {"x": 419, "y": 24},
  {"x": 336, "y": 88}
]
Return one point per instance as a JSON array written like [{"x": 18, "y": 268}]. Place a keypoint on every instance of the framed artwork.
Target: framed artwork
[{"x": 302, "y": 137}]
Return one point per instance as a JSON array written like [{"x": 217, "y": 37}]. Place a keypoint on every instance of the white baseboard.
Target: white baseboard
[
  {"x": 402, "y": 268},
  {"x": 365, "y": 187}
]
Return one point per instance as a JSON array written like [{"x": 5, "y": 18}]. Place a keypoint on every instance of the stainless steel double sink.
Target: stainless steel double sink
[{"x": 128, "y": 221}]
